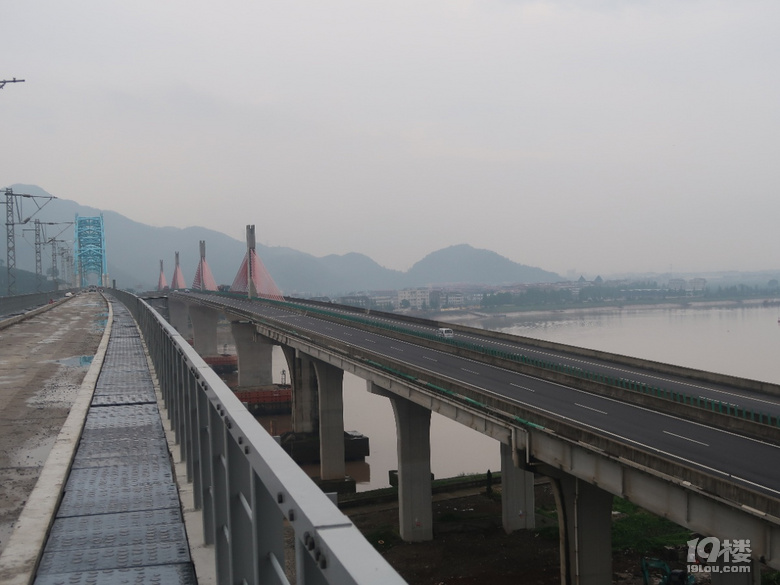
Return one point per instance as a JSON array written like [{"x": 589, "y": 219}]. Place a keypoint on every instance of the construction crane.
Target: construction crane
[
  {"x": 11, "y": 221},
  {"x": 14, "y": 80}
]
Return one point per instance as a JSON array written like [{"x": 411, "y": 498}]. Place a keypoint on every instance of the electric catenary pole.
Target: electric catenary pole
[
  {"x": 14, "y": 80},
  {"x": 41, "y": 239},
  {"x": 11, "y": 221}
]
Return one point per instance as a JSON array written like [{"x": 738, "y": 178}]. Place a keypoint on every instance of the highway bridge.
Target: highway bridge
[{"x": 698, "y": 448}]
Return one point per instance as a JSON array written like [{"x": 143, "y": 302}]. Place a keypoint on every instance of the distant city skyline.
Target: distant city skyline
[{"x": 595, "y": 137}]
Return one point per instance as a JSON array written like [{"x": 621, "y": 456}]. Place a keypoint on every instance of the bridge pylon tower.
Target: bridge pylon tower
[
  {"x": 177, "y": 282},
  {"x": 253, "y": 278},
  {"x": 204, "y": 279},
  {"x": 162, "y": 282}
]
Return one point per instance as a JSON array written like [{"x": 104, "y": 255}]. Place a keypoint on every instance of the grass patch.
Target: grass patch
[
  {"x": 383, "y": 538},
  {"x": 770, "y": 578},
  {"x": 634, "y": 529},
  {"x": 643, "y": 532},
  {"x": 548, "y": 533}
]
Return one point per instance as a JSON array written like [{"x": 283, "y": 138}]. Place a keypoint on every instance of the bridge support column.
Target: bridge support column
[
  {"x": 204, "y": 329},
  {"x": 331, "y": 396},
  {"x": 415, "y": 508},
  {"x": 305, "y": 404},
  {"x": 177, "y": 313},
  {"x": 413, "y": 432},
  {"x": 254, "y": 355},
  {"x": 517, "y": 493},
  {"x": 585, "y": 524}
]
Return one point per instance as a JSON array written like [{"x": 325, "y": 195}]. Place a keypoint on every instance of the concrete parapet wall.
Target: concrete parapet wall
[
  {"x": 29, "y": 314},
  {"x": 653, "y": 366},
  {"x": 16, "y": 303}
]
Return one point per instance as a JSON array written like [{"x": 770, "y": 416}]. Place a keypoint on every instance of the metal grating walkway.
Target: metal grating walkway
[{"x": 120, "y": 518}]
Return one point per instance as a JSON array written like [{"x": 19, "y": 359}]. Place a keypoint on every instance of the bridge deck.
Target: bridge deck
[{"x": 120, "y": 518}]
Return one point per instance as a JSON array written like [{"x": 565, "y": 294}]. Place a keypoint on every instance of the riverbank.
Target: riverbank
[{"x": 466, "y": 317}]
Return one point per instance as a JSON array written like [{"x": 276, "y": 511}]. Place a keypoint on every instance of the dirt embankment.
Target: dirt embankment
[
  {"x": 470, "y": 546},
  {"x": 42, "y": 363}
]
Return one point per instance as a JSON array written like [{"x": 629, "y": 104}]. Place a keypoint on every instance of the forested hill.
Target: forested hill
[{"x": 134, "y": 251}]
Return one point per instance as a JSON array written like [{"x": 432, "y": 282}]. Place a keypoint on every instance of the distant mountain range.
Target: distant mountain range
[{"x": 135, "y": 249}]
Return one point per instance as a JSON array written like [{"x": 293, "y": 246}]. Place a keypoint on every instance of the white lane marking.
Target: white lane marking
[
  {"x": 590, "y": 408},
  {"x": 394, "y": 348},
  {"x": 470, "y": 371},
  {"x": 369, "y": 340},
  {"x": 646, "y": 446},
  {"x": 522, "y": 387},
  {"x": 686, "y": 438},
  {"x": 425, "y": 357}
]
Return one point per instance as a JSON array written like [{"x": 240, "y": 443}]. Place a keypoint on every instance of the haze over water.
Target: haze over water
[{"x": 740, "y": 341}]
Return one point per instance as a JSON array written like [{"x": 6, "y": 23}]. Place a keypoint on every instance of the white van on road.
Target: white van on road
[{"x": 445, "y": 332}]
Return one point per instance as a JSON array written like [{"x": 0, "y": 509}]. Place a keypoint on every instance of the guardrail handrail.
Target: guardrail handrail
[{"x": 245, "y": 483}]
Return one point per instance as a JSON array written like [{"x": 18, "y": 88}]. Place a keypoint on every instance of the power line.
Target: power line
[{"x": 14, "y": 80}]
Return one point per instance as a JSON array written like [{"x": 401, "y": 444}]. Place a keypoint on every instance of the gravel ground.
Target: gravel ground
[{"x": 42, "y": 363}]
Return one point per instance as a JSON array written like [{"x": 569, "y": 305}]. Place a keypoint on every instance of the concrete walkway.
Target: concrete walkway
[
  {"x": 44, "y": 359},
  {"x": 119, "y": 519}
]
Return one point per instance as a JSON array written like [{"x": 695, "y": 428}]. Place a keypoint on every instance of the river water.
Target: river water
[{"x": 739, "y": 340}]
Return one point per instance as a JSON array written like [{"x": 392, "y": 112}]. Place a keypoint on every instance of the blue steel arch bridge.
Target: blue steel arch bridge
[{"x": 90, "y": 251}]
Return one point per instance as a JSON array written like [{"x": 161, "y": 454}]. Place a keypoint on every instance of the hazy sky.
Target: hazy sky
[{"x": 595, "y": 136}]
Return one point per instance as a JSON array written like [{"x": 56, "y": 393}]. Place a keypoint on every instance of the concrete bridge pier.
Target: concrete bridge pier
[
  {"x": 177, "y": 313},
  {"x": 305, "y": 403},
  {"x": 204, "y": 329},
  {"x": 254, "y": 355},
  {"x": 331, "y": 420},
  {"x": 415, "y": 510},
  {"x": 585, "y": 524},
  {"x": 413, "y": 432},
  {"x": 517, "y": 491}
]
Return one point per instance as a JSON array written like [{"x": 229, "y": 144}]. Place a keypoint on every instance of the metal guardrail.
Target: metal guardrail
[{"x": 247, "y": 487}]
